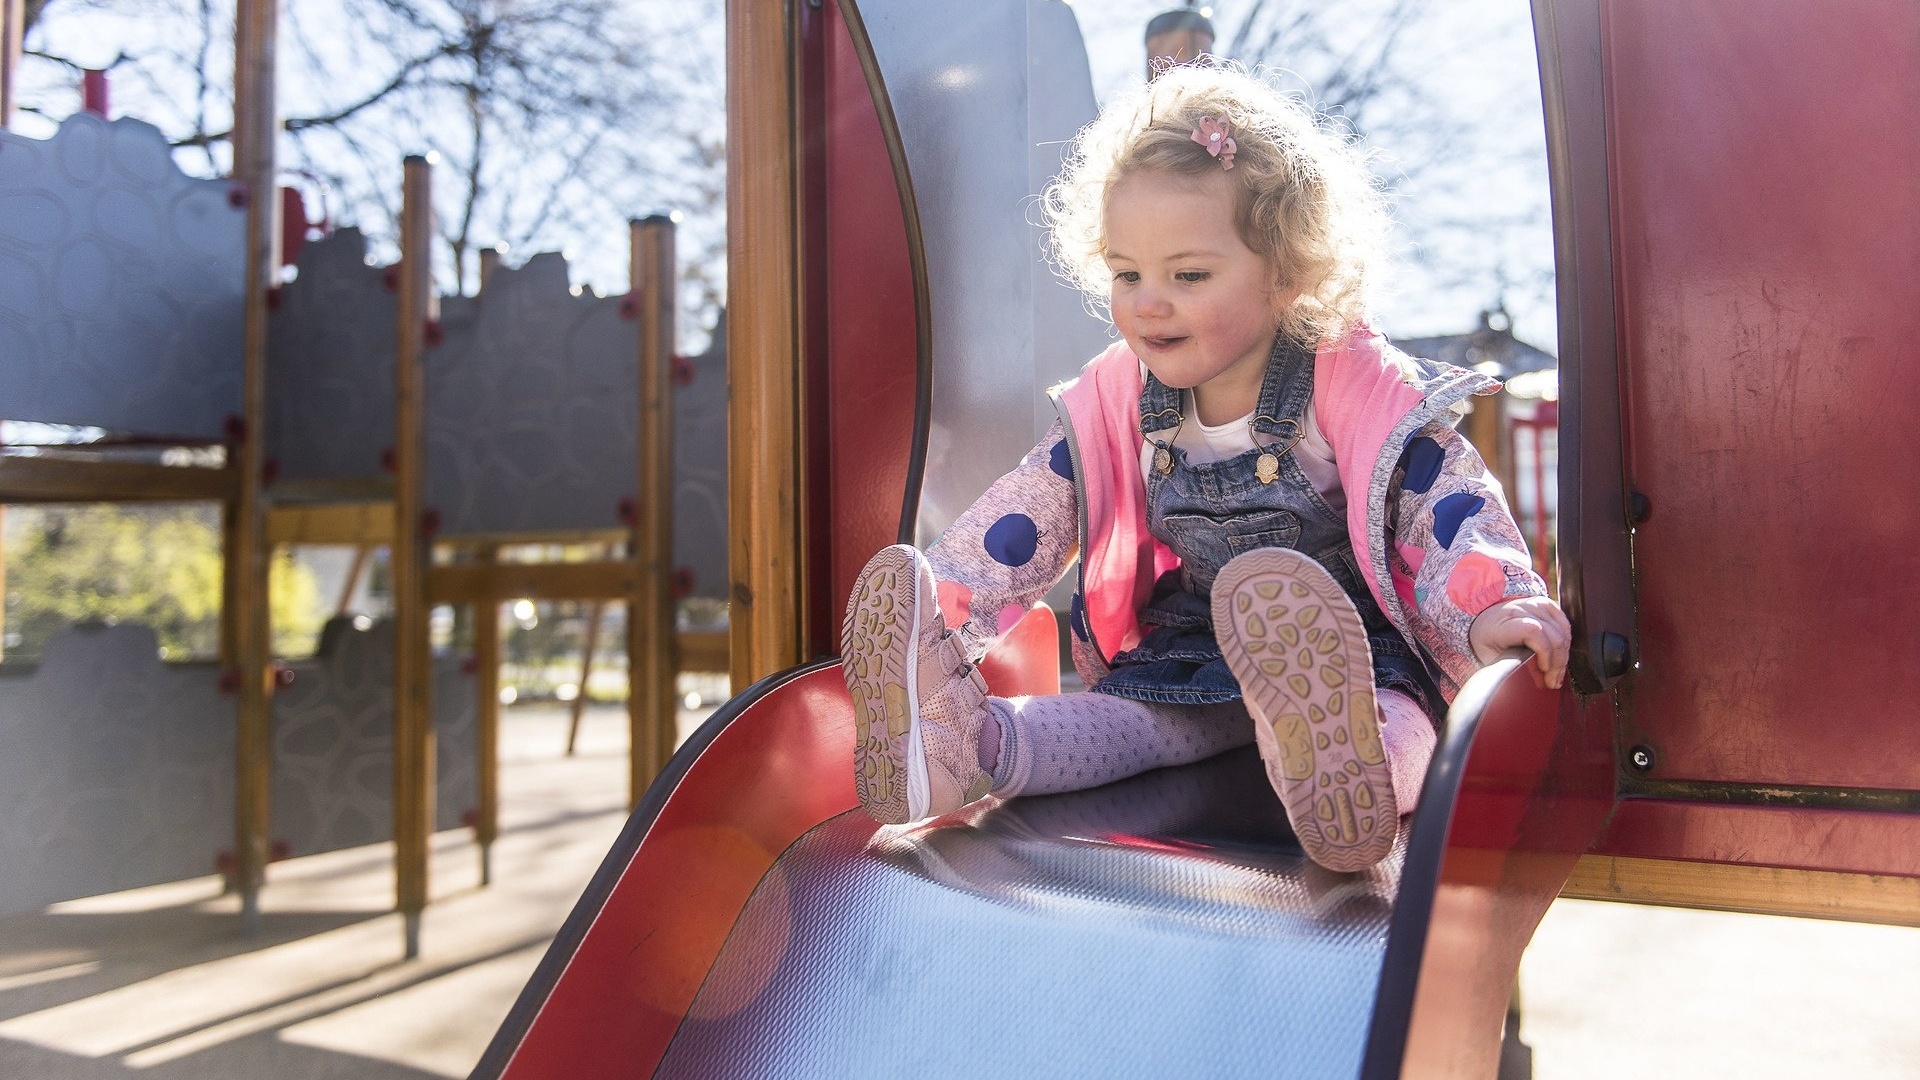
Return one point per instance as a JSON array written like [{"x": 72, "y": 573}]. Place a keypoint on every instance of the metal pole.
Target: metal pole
[
  {"x": 650, "y": 621},
  {"x": 245, "y": 613},
  {"x": 413, "y": 756}
]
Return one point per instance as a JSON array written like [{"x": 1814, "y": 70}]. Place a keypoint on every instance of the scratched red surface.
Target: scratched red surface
[
  {"x": 779, "y": 769},
  {"x": 1767, "y": 245},
  {"x": 873, "y": 372}
]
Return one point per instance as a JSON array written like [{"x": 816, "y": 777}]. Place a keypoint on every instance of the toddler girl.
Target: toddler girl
[{"x": 1280, "y": 536}]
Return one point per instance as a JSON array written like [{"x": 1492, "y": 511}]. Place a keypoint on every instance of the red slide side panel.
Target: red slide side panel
[
  {"x": 1767, "y": 225},
  {"x": 1527, "y": 774},
  {"x": 780, "y": 768},
  {"x": 1027, "y": 660},
  {"x": 1767, "y": 239},
  {"x": 1796, "y": 838},
  {"x": 873, "y": 363}
]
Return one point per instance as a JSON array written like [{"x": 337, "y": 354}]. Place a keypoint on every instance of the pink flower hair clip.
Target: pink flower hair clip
[{"x": 1217, "y": 138}]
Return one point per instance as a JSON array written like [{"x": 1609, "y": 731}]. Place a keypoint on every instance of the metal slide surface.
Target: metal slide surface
[
  {"x": 752, "y": 922},
  {"x": 1132, "y": 930}
]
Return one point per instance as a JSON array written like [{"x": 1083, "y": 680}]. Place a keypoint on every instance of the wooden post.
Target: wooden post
[
  {"x": 1484, "y": 427},
  {"x": 765, "y": 479},
  {"x": 413, "y": 757},
  {"x": 244, "y": 611},
  {"x": 650, "y": 615},
  {"x": 595, "y": 610},
  {"x": 13, "y": 24},
  {"x": 486, "y": 696}
]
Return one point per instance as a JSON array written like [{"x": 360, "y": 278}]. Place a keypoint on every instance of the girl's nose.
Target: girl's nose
[{"x": 1150, "y": 302}]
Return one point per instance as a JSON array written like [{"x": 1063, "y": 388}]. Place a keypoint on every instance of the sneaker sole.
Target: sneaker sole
[
  {"x": 1297, "y": 647},
  {"x": 880, "y": 641}
]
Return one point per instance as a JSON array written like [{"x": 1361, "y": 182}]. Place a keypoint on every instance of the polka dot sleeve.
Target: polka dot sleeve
[
  {"x": 1010, "y": 546},
  {"x": 1454, "y": 548}
]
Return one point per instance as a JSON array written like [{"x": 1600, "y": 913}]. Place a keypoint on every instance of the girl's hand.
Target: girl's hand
[{"x": 1531, "y": 621}]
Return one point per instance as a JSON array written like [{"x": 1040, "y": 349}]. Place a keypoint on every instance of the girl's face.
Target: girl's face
[{"x": 1197, "y": 305}]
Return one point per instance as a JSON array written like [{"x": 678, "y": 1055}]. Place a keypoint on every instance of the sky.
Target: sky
[
  {"x": 1473, "y": 232},
  {"x": 1477, "y": 57}
]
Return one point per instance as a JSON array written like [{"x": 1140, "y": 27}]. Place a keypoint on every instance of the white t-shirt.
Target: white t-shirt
[{"x": 1204, "y": 444}]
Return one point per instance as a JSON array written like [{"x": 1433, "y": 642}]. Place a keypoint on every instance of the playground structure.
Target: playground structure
[
  {"x": 352, "y": 406},
  {"x": 1730, "y": 423},
  {"x": 1729, "y": 417}
]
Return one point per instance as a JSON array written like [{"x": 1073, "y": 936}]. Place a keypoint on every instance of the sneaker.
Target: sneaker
[
  {"x": 918, "y": 705},
  {"x": 1294, "y": 641}
]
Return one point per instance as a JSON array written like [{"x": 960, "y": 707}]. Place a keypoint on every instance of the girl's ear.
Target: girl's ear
[{"x": 1284, "y": 294}]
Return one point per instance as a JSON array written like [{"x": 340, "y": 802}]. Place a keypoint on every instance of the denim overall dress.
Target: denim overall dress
[{"x": 1210, "y": 512}]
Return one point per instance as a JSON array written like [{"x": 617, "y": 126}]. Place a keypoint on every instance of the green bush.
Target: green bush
[{"x": 157, "y": 564}]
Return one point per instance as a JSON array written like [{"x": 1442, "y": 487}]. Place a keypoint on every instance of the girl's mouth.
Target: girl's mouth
[{"x": 1164, "y": 342}]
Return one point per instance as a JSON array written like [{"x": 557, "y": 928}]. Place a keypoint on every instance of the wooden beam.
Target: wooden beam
[
  {"x": 1760, "y": 890},
  {"x": 361, "y": 524},
  {"x": 465, "y": 583},
  {"x": 765, "y": 480},
  {"x": 413, "y": 744},
  {"x": 701, "y": 651},
  {"x": 247, "y": 630},
  {"x": 333, "y": 489},
  {"x": 651, "y": 700},
  {"x": 70, "y": 480}
]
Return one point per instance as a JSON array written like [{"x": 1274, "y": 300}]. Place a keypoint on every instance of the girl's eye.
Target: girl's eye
[
  {"x": 1192, "y": 276},
  {"x": 1128, "y": 277}
]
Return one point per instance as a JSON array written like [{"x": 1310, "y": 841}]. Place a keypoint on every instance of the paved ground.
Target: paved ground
[{"x": 157, "y": 984}]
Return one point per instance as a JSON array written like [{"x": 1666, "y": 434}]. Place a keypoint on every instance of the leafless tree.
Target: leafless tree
[
  {"x": 1469, "y": 175},
  {"x": 554, "y": 120}
]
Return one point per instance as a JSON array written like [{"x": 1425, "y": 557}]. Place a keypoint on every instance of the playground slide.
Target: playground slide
[{"x": 751, "y": 921}]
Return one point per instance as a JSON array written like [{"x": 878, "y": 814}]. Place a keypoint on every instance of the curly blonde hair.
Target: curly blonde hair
[{"x": 1305, "y": 199}]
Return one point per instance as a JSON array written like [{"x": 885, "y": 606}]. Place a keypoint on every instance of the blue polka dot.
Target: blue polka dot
[
  {"x": 1078, "y": 619},
  {"x": 1451, "y": 511},
  {"x": 1423, "y": 459},
  {"x": 1012, "y": 540},
  {"x": 1061, "y": 460}
]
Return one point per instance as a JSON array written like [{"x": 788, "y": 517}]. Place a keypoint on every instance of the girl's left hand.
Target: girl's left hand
[{"x": 1534, "y": 622}]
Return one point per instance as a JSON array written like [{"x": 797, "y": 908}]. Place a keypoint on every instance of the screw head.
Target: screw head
[{"x": 1641, "y": 758}]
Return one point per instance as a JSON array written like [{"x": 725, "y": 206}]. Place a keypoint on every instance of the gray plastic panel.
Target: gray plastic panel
[
  {"x": 116, "y": 770},
  {"x": 120, "y": 284},
  {"x": 333, "y": 743},
  {"x": 958, "y": 84},
  {"x": 532, "y": 407},
  {"x": 1066, "y": 331},
  {"x": 330, "y": 384},
  {"x": 1127, "y": 931},
  {"x": 700, "y": 468}
]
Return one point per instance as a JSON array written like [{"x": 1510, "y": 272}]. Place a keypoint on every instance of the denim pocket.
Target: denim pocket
[{"x": 1263, "y": 529}]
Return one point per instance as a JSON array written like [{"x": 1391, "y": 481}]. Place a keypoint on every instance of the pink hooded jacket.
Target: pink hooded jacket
[{"x": 1432, "y": 530}]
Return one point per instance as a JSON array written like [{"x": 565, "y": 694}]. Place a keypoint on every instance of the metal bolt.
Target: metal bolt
[{"x": 1641, "y": 758}]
